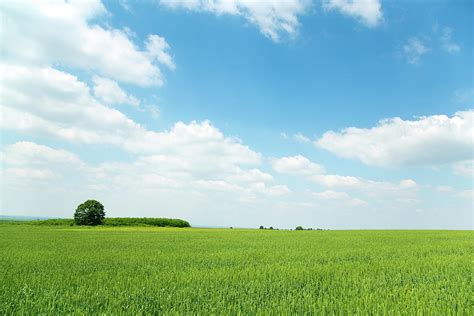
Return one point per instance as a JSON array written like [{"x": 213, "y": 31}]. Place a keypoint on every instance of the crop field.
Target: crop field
[{"x": 148, "y": 270}]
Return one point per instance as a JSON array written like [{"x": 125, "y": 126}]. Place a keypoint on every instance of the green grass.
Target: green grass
[{"x": 147, "y": 270}]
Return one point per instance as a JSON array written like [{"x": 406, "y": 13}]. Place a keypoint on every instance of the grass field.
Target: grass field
[{"x": 143, "y": 270}]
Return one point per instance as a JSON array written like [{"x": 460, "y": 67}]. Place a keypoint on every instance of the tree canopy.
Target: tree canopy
[{"x": 90, "y": 213}]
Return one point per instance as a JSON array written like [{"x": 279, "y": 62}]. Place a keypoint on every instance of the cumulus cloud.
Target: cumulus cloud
[
  {"x": 296, "y": 165},
  {"x": 331, "y": 195},
  {"x": 414, "y": 49},
  {"x": 408, "y": 184},
  {"x": 368, "y": 12},
  {"x": 28, "y": 162},
  {"x": 277, "y": 19},
  {"x": 376, "y": 189},
  {"x": 30, "y": 154},
  {"x": 51, "y": 102},
  {"x": 171, "y": 171},
  {"x": 109, "y": 92},
  {"x": 74, "y": 115},
  {"x": 303, "y": 167},
  {"x": 339, "y": 197},
  {"x": 60, "y": 32},
  {"x": 182, "y": 173},
  {"x": 190, "y": 156},
  {"x": 428, "y": 140},
  {"x": 333, "y": 180},
  {"x": 273, "y": 18}
]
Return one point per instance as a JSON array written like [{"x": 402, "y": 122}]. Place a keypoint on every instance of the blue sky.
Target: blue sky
[{"x": 335, "y": 114}]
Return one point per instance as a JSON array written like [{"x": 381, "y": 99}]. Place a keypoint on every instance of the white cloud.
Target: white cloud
[
  {"x": 157, "y": 47},
  {"x": 428, "y": 140},
  {"x": 31, "y": 154},
  {"x": 207, "y": 166},
  {"x": 303, "y": 167},
  {"x": 447, "y": 42},
  {"x": 28, "y": 162},
  {"x": 247, "y": 176},
  {"x": 50, "y": 102},
  {"x": 182, "y": 157},
  {"x": 332, "y": 180},
  {"x": 466, "y": 194},
  {"x": 35, "y": 167},
  {"x": 408, "y": 184},
  {"x": 125, "y": 5},
  {"x": 365, "y": 186},
  {"x": 59, "y": 32},
  {"x": 73, "y": 115},
  {"x": 341, "y": 198},
  {"x": 182, "y": 173},
  {"x": 414, "y": 49},
  {"x": 274, "y": 18},
  {"x": 109, "y": 92},
  {"x": 25, "y": 163},
  {"x": 296, "y": 165},
  {"x": 464, "y": 168},
  {"x": 153, "y": 110},
  {"x": 299, "y": 137},
  {"x": 444, "y": 188},
  {"x": 368, "y": 12},
  {"x": 331, "y": 195},
  {"x": 11, "y": 174}
]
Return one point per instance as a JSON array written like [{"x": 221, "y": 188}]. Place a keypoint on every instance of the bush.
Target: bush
[
  {"x": 144, "y": 221},
  {"x": 261, "y": 227},
  {"x": 53, "y": 222},
  {"x": 89, "y": 213},
  {"x": 299, "y": 228}
]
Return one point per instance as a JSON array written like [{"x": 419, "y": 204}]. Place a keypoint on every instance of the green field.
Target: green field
[{"x": 147, "y": 270}]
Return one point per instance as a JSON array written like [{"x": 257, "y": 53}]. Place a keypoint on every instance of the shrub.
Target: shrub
[
  {"x": 299, "y": 228},
  {"x": 53, "y": 222},
  {"x": 89, "y": 213},
  {"x": 261, "y": 227},
  {"x": 144, "y": 221}
]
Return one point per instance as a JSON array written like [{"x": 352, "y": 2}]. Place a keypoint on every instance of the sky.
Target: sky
[{"x": 335, "y": 114}]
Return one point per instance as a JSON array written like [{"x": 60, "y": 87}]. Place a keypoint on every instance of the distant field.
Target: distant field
[{"x": 143, "y": 270}]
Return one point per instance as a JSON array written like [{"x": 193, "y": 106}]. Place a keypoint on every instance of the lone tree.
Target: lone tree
[
  {"x": 91, "y": 213},
  {"x": 299, "y": 228}
]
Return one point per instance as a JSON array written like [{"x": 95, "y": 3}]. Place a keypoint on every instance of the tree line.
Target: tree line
[{"x": 92, "y": 213}]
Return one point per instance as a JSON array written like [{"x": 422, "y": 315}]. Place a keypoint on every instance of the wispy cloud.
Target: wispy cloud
[
  {"x": 447, "y": 43},
  {"x": 414, "y": 49}
]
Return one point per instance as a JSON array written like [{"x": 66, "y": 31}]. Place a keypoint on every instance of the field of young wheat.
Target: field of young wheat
[{"x": 146, "y": 270}]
